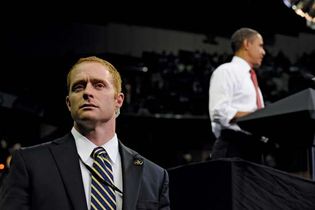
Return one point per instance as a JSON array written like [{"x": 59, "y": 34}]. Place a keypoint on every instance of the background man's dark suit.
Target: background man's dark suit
[{"x": 48, "y": 177}]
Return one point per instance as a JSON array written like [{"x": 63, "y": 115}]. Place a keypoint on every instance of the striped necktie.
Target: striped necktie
[
  {"x": 254, "y": 79},
  {"x": 102, "y": 196}
]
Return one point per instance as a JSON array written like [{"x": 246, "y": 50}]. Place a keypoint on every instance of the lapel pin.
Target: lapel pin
[{"x": 138, "y": 162}]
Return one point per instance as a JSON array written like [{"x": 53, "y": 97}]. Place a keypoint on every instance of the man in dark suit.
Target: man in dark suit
[{"x": 57, "y": 174}]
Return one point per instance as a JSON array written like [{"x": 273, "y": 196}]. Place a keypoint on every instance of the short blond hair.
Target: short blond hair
[{"x": 112, "y": 70}]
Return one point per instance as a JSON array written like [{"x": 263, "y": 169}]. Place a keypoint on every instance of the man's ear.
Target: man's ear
[
  {"x": 245, "y": 44},
  {"x": 68, "y": 103},
  {"x": 119, "y": 100}
]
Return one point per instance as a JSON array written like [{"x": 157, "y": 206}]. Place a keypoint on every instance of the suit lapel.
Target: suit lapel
[
  {"x": 65, "y": 154},
  {"x": 132, "y": 174}
]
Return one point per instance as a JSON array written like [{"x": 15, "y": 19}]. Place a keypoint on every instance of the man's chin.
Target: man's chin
[
  {"x": 257, "y": 65},
  {"x": 87, "y": 116},
  {"x": 87, "y": 122}
]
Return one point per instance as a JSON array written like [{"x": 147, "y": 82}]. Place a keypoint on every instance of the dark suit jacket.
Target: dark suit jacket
[{"x": 48, "y": 177}]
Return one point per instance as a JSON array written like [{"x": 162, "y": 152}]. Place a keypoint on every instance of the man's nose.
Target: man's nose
[{"x": 88, "y": 91}]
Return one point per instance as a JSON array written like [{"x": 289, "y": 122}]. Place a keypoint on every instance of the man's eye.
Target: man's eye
[
  {"x": 77, "y": 88},
  {"x": 99, "y": 85}
]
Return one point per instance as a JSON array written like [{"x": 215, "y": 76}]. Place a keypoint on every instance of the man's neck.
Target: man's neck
[{"x": 97, "y": 135}]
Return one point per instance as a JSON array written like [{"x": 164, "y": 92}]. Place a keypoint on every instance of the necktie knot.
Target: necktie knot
[{"x": 98, "y": 151}]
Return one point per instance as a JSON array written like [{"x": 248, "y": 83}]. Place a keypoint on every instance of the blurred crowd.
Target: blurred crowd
[{"x": 166, "y": 83}]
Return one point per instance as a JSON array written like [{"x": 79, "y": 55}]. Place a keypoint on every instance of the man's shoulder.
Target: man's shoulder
[
  {"x": 153, "y": 164},
  {"x": 36, "y": 147},
  {"x": 226, "y": 67},
  {"x": 44, "y": 145}
]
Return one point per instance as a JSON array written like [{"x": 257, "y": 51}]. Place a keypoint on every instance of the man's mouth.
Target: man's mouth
[{"x": 88, "y": 106}]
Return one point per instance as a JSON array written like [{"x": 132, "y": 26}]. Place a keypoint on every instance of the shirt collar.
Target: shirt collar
[
  {"x": 242, "y": 63},
  {"x": 85, "y": 146}
]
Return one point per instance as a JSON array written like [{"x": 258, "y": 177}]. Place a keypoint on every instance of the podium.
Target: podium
[
  {"x": 290, "y": 122},
  {"x": 235, "y": 184}
]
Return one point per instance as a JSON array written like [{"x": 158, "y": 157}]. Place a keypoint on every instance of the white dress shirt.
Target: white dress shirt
[
  {"x": 85, "y": 148},
  {"x": 231, "y": 90}
]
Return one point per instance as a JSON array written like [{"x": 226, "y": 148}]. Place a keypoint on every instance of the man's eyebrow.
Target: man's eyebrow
[
  {"x": 98, "y": 80},
  {"x": 81, "y": 81}
]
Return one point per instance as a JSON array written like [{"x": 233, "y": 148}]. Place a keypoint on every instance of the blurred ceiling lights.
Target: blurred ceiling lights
[{"x": 304, "y": 8}]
